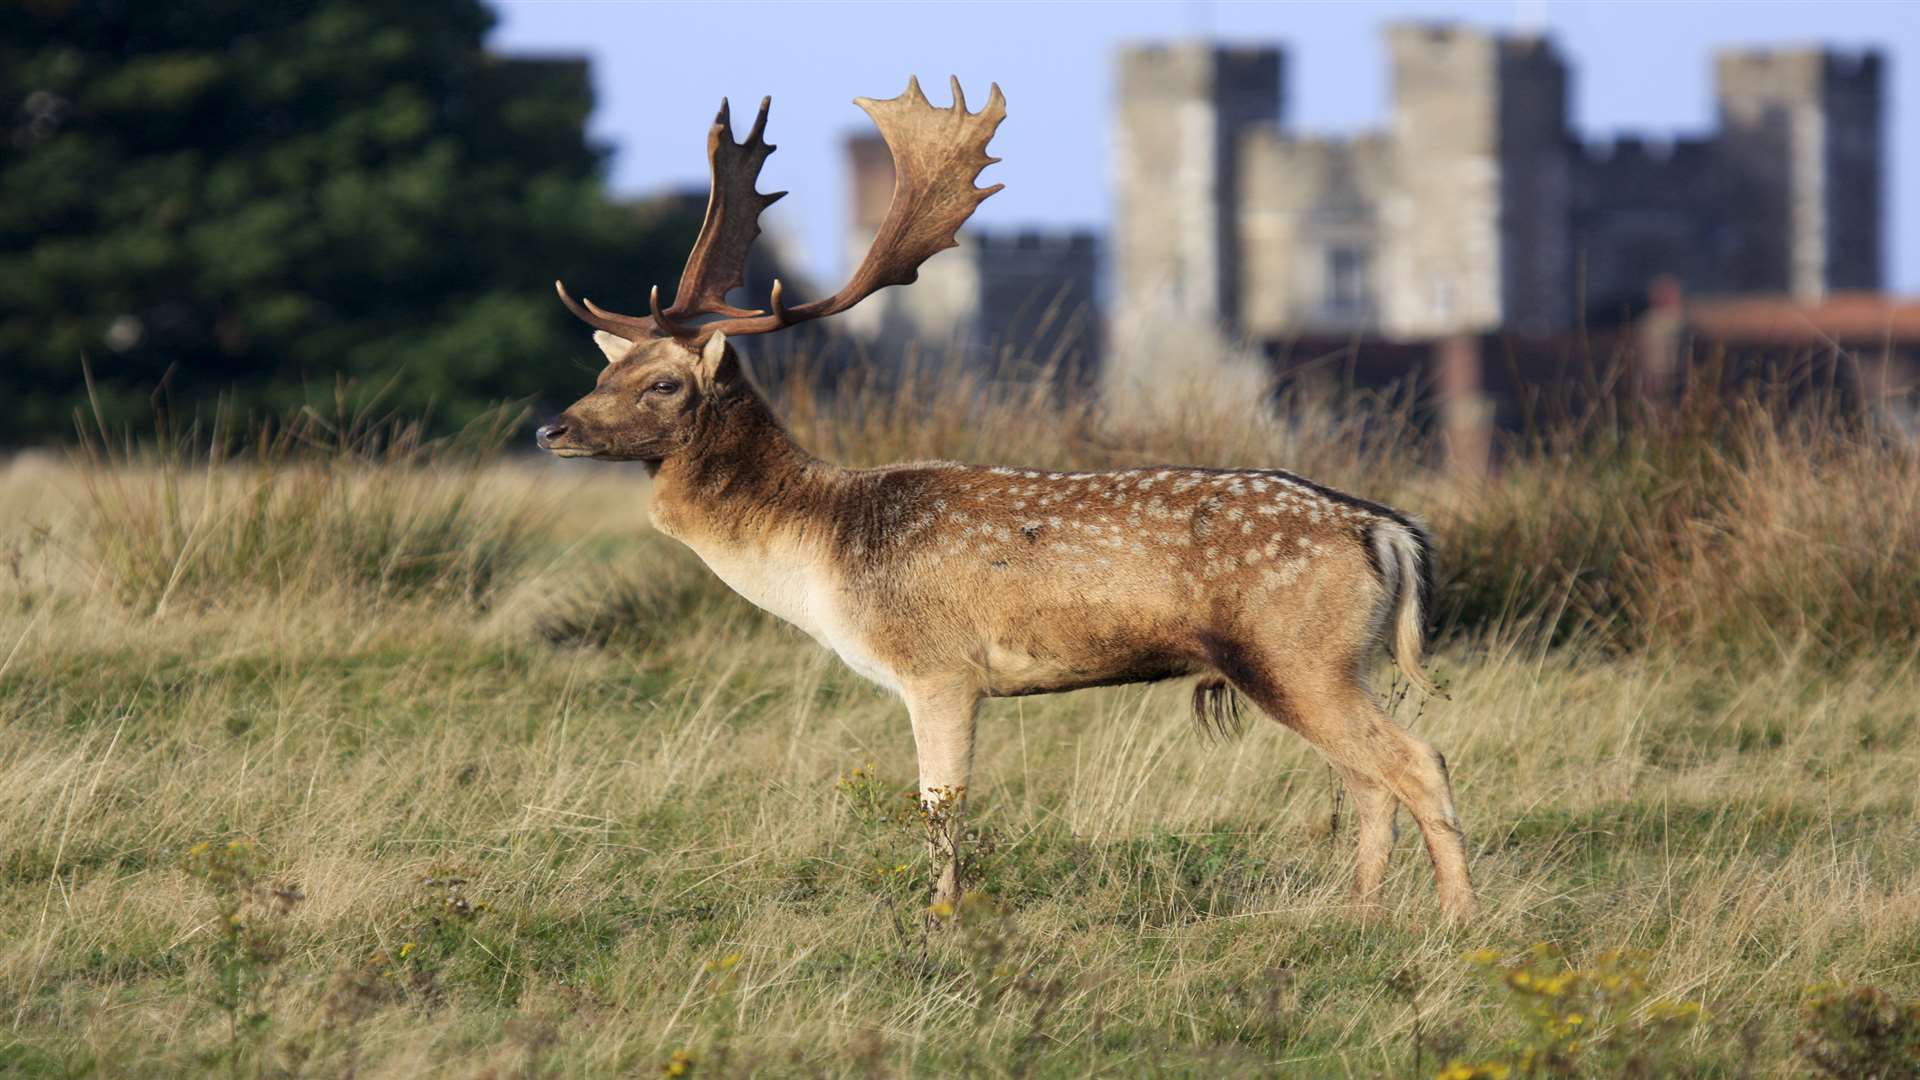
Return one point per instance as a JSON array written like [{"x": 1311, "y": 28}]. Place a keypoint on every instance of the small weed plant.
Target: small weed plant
[
  {"x": 1598, "y": 1020},
  {"x": 1861, "y": 1032},
  {"x": 245, "y": 946}
]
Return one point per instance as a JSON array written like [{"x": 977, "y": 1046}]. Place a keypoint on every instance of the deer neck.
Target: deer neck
[
  {"x": 755, "y": 508},
  {"x": 742, "y": 484}
]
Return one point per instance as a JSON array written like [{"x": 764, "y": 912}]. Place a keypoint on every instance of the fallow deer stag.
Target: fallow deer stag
[{"x": 948, "y": 583}]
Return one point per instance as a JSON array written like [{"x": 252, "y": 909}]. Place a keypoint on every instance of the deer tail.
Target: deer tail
[{"x": 1403, "y": 557}]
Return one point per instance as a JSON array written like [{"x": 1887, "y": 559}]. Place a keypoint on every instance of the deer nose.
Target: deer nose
[{"x": 545, "y": 436}]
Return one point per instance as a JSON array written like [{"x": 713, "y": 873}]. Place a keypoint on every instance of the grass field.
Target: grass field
[{"x": 399, "y": 762}]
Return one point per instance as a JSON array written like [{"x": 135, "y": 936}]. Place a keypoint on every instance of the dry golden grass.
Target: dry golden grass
[{"x": 466, "y": 832}]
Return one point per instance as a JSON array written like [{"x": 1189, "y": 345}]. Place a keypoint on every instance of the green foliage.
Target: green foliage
[
  {"x": 243, "y": 198},
  {"x": 911, "y": 841},
  {"x": 441, "y": 940},
  {"x": 1008, "y": 974}
]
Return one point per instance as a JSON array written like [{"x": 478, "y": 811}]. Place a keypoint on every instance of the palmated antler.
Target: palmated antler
[
  {"x": 719, "y": 259},
  {"x": 937, "y": 154}
]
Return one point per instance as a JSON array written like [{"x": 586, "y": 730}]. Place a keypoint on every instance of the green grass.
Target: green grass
[{"x": 624, "y": 818}]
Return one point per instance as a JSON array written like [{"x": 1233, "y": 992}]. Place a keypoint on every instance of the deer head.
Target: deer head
[{"x": 669, "y": 371}]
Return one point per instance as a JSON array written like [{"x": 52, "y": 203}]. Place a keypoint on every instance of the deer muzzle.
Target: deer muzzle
[{"x": 558, "y": 438}]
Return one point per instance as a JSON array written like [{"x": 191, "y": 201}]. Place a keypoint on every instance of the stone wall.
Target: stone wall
[
  {"x": 1037, "y": 304},
  {"x": 1855, "y": 162},
  {"x": 1642, "y": 210},
  {"x": 1536, "y": 186},
  {"x": 1310, "y": 232}
]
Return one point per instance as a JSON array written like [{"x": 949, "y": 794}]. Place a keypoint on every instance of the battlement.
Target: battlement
[
  {"x": 1185, "y": 51},
  {"x": 1202, "y": 68},
  {"x": 1285, "y": 169},
  {"x": 1440, "y": 38},
  {"x": 1046, "y": 242},
  {"x": 1799, "y": 73},
  {"x": 1856, "y": 64},
  {"x": 1436, "y": 34},
  {"x": 1436, "y": 47},
  {"x": 1840, "y": 63},
  {"x": 1637, "y": 151}
]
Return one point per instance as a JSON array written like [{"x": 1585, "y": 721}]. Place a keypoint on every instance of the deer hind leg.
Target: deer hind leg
[
  {"x": 1415, "y": 773},
  {"x": 1373, "y": 811},
  {"x": 1382, "y": 763},
  {"x": 943, "y": 715}
]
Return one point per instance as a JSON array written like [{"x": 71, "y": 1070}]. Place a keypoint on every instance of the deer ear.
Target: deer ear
[
  {"x": 613, "y": 345},
  {"x": 714, "y": 352}
]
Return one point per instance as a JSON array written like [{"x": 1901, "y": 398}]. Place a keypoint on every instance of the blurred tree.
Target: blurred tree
[{"x": 251, "y": 199}]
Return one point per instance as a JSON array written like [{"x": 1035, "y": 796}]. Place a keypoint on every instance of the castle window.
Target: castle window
[{"x": 1348, "y": 287}]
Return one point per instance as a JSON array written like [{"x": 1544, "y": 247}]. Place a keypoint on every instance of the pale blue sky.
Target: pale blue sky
[{"x": 661, "y": 69}]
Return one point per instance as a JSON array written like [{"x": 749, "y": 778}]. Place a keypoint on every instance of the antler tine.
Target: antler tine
[
  {"x": 778, "y": 303},
  {"x": 959, "y": 95},
  {"x": 660, "y": 318},
  {"x": 937, "y": 154},
  {"x": 760, "y": 128},
  {"x": 626, "y": 326}
]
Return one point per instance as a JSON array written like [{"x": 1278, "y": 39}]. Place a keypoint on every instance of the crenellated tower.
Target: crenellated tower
[
  {"x": 1478, "y": 231},
  {"x": 1180, "y": 114},
  {"x": 1802, "y": 145}
]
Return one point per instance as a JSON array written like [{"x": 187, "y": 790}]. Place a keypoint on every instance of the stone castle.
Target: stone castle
[
  {"x": 1479, "y": 209},
  {"x": 1479, "y": 215}
]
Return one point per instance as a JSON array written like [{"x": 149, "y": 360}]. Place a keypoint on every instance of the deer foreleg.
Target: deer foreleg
[{"x": 943, "y": 721}]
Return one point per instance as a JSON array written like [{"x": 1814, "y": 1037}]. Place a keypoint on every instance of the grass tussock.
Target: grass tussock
[
  {"x": 360, "y": 755},
  {"x": 358, "y": 506},
  {"x": 1747, "y": 525}
]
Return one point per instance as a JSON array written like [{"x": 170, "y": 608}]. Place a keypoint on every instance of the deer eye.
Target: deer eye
[{"x": 664, "y": 386}]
